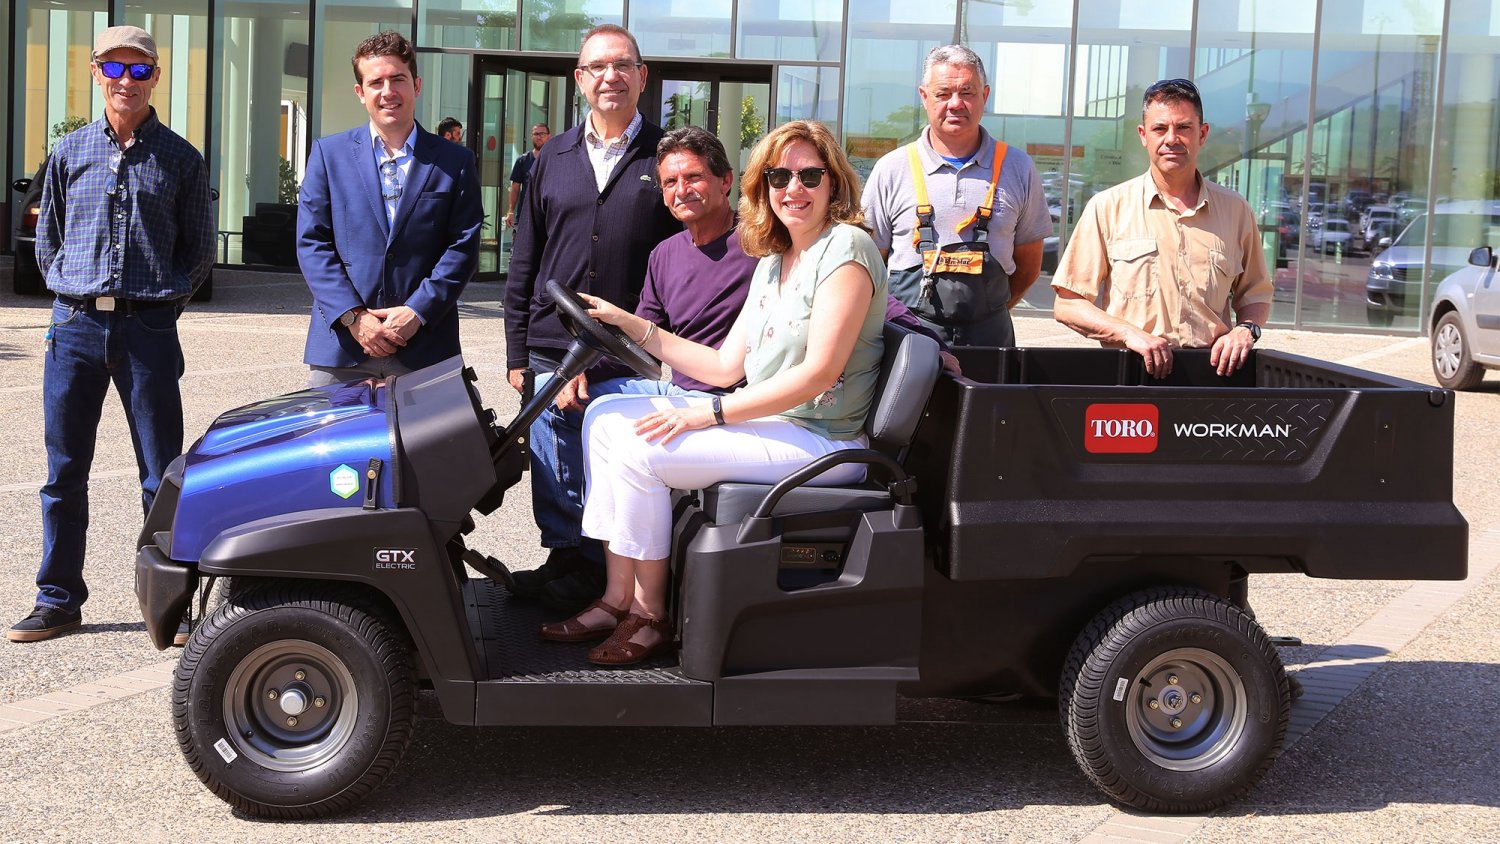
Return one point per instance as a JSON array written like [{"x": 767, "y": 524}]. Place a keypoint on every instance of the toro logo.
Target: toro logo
[{"x": 1120, "y": 428}]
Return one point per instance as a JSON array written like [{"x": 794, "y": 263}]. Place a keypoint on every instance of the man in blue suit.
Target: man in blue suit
[{"x": 387, "y": 230}]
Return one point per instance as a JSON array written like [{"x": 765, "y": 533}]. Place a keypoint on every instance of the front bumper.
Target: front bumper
[{"x": 164, "y": 588}]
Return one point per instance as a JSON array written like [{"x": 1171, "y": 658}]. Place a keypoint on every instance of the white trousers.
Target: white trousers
[{"x": 628, "y": 481}]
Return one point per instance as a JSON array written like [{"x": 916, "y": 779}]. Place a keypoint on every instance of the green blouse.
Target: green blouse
[{"x": 776, "y": 327}]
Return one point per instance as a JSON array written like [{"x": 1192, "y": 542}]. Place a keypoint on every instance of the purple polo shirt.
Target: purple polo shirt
[{"x": 696, "y": 292}]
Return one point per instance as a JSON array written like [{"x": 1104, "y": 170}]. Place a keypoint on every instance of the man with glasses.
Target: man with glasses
[
  {"x": 592, "y": 214},
  {"x": 960, "y": 216},
  {"x": 125, "y": 236},
  {"x": 387, "y": 230},
  {"x": 1158, "y": 262},
  {"x": 520, "y": 172}
]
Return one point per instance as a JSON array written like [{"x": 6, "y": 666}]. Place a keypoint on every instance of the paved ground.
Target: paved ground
[{"x": 1397, "y": 740}]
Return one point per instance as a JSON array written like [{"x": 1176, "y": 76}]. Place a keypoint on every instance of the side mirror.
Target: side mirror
[
  {"x": 21, "y": 185},
  {"x": 1482, "y": 257},
  {"x": 1384, "y": 242}
]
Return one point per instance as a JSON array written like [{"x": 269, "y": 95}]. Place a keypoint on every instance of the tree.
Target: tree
[
  {"x": 752, "y": 125},
  {"x": 63, "y": 127}
]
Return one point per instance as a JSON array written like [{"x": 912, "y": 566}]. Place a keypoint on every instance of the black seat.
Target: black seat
[{"x": 908, "y": 370}]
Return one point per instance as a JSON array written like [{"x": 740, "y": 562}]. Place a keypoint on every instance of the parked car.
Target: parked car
[
  {"x": 27, "y": 278},
  {"x": 1380, "y": 234},
  {"x": 1333, "y": 236},
  {"x": 1377, "y": 215},
  {"x": 1466, "y": 320},
  {"x": 1393, "y": 287}
]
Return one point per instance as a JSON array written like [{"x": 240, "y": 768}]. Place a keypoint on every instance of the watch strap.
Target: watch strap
[{"x": 718, "y": 405}]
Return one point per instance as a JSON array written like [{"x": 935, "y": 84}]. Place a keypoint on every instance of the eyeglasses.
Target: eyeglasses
[
  {"x": 780, "y": 177},
  {"x": 140, "y": 72},
  {"x": 112, "y": 182},
  {"x": 621, "y": 68},
  {"x": 390, "y": 173}
]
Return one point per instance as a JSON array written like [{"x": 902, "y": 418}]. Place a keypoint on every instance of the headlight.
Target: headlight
[{"x": 1385, "y": 271}]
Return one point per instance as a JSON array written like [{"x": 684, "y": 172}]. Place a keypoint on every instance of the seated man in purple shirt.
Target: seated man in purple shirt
[{"x": 696, "y": 283}]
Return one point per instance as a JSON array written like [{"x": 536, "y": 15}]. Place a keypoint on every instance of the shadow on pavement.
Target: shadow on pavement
[{"x": 1414, "y": 733}]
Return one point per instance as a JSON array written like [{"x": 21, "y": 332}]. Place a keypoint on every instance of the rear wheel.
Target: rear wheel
[
  {"x": 1451, "y": 361},
  {"x": 1174, "y": 700},
  {"x": 294, "y": 702}
]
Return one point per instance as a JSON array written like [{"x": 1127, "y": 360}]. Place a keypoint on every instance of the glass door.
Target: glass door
[{"x": 513, "y": 95}]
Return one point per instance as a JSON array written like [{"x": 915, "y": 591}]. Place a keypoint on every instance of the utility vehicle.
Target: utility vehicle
[{"x": 1054, "y": 524}]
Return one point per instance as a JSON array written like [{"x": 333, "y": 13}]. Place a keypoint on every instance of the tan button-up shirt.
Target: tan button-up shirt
[{"x": 1173, "y": 275}]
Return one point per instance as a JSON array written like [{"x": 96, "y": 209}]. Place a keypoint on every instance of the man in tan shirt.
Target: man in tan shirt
[{"x": 1167, "y": 255}]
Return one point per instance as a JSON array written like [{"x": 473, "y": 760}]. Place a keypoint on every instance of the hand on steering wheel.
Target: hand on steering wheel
[{"x": 602, "y": 337}]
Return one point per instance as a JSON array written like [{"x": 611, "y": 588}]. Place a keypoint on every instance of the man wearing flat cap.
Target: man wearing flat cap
[{"x": 125, "y": 236}]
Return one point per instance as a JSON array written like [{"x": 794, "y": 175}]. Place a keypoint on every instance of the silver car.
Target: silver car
[{"x": 1466, "y": 320}]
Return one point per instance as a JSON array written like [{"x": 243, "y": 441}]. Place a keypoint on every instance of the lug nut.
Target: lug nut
[
  {"x": 1153, "y": 704},
  {"x": 1176, "y": 723},
  {"x": 1171, "y": 678},
  {"x": 302, "y": 675},
  {"x": 291, "y": 721},
  {"x": 272, "y": 694},
  {"x": 1195, "y": 697},
  {"x": 319, "y": 702}
]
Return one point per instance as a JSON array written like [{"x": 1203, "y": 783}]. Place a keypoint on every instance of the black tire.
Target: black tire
[
  {"x": 1452, "y": 363},
  {"x": 1230, "y": 701},
  {"x": 286, "y": 756}
]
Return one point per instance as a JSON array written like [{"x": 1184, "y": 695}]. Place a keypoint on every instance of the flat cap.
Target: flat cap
[{"x": 132, "y": 37}]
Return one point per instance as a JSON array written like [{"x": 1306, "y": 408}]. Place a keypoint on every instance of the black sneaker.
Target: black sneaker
[
  {"x": 561, "y": 562},
  {"x": 44, "y": 623},
  {"x": 573, "y": 593},
  {"x": 184, "y": 629}
]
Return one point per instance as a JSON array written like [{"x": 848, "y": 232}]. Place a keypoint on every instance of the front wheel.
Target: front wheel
[
  {"x": 1174, "y": 700},
  {"x": 294, "y": 703},
  {"x": 1452, "y": 362}
]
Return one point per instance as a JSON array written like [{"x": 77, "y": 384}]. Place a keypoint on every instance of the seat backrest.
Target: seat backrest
[{"x": 908, "y": 371}]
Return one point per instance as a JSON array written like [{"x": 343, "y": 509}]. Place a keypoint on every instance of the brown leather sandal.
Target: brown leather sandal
[
  {"x": 574, "y": 630},
  {"x": 619, "y": 650}
]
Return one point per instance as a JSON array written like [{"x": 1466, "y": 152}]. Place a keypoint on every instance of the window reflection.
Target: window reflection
[{"x": 477, "y": 24}]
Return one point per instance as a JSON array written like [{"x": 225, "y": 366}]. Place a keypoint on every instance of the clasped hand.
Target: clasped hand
[{"x": 381, "y": 331}]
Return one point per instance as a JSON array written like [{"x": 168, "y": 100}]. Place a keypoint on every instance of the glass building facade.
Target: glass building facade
[{"x": 1347, "y": 124}]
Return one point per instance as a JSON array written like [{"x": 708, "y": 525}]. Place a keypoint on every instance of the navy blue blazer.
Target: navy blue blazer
[{"x": 351, "y": 258}]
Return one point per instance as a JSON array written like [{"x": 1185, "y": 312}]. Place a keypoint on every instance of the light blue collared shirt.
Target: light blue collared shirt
[{"x": 403, "y": 159}]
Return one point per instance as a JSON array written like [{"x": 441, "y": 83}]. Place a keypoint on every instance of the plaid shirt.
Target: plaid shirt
[
  {"x": 152, "y": 238},
  {"x": 605, "y": 156}
]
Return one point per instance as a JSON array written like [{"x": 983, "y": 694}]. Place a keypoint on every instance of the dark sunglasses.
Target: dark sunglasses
[
  {"x": 114, "y": 70},
  {"x": 780, "y": 177}
]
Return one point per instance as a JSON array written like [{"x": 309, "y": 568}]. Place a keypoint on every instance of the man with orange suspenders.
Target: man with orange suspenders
[{"x": 959, "y": 216}]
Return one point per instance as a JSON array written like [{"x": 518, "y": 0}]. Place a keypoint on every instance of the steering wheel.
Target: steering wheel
[{"x": 599, "y": 336}]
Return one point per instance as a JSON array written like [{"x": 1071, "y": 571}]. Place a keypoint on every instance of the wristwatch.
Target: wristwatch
[
  {"x": 1254, "y": 330},
  {"x": 349, "y": 317},
  {"x": 718, "y": 408}
]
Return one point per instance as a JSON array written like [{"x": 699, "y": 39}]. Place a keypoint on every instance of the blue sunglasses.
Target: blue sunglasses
[{"x": 140, "y": 72}]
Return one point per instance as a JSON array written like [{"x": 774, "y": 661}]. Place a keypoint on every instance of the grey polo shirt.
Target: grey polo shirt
[{"x": 1020, "y": 211}]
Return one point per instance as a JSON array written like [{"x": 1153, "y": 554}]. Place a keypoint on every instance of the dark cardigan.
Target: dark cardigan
[{"x": 593, "y": 242}]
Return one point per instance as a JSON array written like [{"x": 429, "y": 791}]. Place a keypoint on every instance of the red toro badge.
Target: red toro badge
[{"x": 1120, "y": 428}]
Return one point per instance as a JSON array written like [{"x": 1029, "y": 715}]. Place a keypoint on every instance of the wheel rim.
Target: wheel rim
[
  {"x": 1447, "y": 349},
  {"x": 1187, "y": 709},
  {"x": 290, "y": 705}
]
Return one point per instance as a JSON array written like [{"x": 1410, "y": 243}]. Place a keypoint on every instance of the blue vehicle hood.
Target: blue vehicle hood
[{"x": 301, "y": 451}]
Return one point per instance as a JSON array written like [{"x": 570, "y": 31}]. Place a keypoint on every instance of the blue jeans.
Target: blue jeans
[
  {"x": 140, "y": 354},
  {"x": 557, "y": 455}
]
